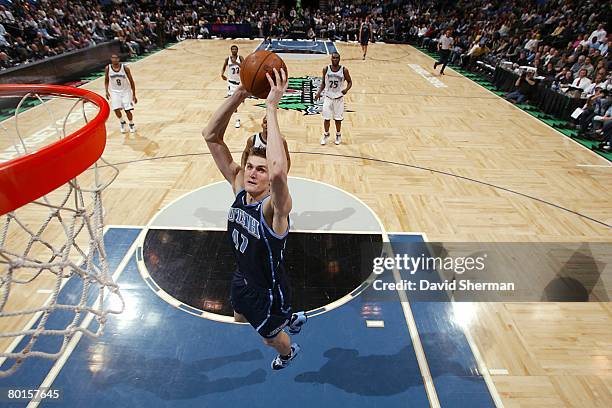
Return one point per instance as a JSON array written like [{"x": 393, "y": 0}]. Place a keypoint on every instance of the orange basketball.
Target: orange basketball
[{"x": 253, "y": 72}]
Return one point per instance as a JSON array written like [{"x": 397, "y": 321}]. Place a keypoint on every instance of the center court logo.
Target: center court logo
[{"x": 300, "y": 96}]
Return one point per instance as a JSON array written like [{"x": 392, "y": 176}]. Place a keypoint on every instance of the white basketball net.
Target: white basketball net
[{"x": 54, "y": 241}]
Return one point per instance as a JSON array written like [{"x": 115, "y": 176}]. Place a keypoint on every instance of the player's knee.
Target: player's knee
[{"x": 270, "y": 342}]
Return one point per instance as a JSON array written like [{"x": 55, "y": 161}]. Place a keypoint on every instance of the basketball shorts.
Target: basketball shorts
[
  {"x": 121, "y": 100},
  {"x": 231, "y": 87},
  {"x": 333, "y": 108},
  {"x": 267, "y": 310}
]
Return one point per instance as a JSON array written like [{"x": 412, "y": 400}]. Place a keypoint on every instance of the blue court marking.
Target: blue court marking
[
  {"x": 453, "y": 367},
  {"x": 33, "y": 371},
  {"x": 155, "y": 355},
  {"x": 190, "y": 309},
  {"x": 297, "y": 46}
]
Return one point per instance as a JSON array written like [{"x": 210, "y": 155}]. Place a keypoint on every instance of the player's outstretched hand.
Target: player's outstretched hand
[
  {"x": 135, "y": 99},
  {"x": 317, "y": 96},
  {"x": 278, "y": 86},
  {"x": 223, "y": 77},
  {"x": 108, "y": 95}
]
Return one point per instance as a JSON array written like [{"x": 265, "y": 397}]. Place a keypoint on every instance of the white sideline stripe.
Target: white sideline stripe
[
  {"x": 378, "y": 324},
  {"x": 486, "y": 374},
  {"x": 594, "y": 165},
  {"x": 59, "y": 364},
  {"x": 430, "y": 388},
  {"x": 44, "y": 291},
  {"x": 498, "y": 371},
  {"x": 475, "y": 351}
]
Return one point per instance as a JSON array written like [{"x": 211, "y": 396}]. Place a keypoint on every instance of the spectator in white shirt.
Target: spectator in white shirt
[
  {"x": 3, "y": 42},
  {"x": 582, "y": 82},
  {"x": 532, "y": 44},
  {"x": 600, "y": 33},
  {"x": 6, "y": 16},
  {"x": 422, "y": 31},
  {"x": 599, "y": 82}
]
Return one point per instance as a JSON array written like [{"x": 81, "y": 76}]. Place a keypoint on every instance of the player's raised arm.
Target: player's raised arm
[
  {"x": 276, "y": 154},
  {"x": 213, "y": 134}
]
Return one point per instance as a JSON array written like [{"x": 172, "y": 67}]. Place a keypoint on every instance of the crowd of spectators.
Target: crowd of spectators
[
  {"x": 558, "y": 44},
  {"x": 562, "y": 43}
]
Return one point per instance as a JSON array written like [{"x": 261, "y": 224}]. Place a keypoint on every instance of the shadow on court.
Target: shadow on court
[
  {"x": 178, "y": 380},
  {"x": 375, "y": 374},
  {"x": 316, "y": 220},
  {"x": 369, "y": 375}
]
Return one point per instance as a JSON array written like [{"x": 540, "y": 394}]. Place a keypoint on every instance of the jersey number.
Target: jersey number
[
  {"x": 243, "y": 244},
  {"x": 118, "y": 82},
  {"x": 333, "y": 84},
  {"x": 235, "y": 70}
]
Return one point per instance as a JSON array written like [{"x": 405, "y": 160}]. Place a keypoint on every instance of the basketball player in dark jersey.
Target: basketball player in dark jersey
[
  {"x": 258, "y": 224},
  {"x": 265, "y": 25},
  {"x": 365, "y": 35},
  {"x": 260, "y": 140}
]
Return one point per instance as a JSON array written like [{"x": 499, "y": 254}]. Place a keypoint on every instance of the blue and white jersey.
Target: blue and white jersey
[
  {"x": 118, "y": 80},
  {"x": 258, "y": 249}
]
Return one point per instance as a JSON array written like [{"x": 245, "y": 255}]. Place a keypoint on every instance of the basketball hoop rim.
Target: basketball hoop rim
[{"x": 27, "y": 178}]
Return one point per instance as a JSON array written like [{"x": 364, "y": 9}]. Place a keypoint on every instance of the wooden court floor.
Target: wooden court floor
[{"x": 455, "y": 162}]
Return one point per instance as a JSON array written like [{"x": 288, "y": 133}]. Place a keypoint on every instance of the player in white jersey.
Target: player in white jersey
[
  {"x": 260, "y": 141},
  {"x": 122, "y": 92},
  {"x": 231, "y": 73},
  {"x": 334, "y": 76}
]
